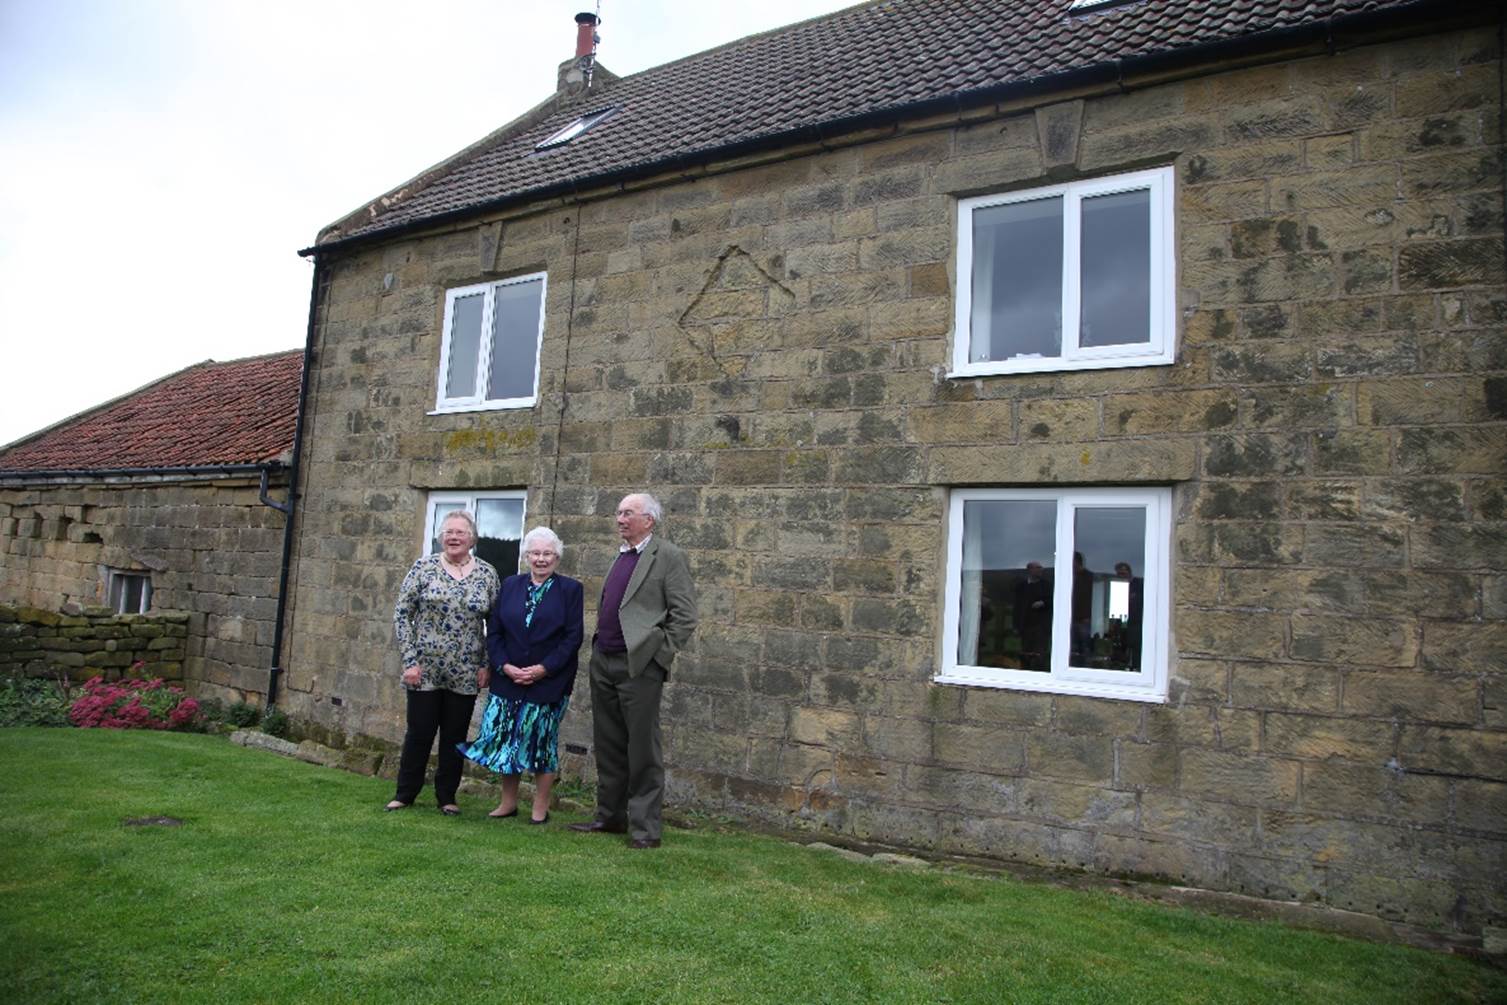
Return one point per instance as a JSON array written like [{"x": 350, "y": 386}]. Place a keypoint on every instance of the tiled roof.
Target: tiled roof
[
  {"x": 866, "y": 61},
  {"x": 210, "y": 414}
]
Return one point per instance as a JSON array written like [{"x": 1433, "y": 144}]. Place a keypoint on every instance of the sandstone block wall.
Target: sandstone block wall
[
  {"x": 765, "y": 346},
  {"x": 212, "y": 550}
]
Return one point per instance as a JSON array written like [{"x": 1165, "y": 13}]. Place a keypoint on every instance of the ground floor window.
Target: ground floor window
[
  {"x": 499, "y": 524},
  {"x": 1060, "y": 590},
  {"x": 128, "y": 592}
]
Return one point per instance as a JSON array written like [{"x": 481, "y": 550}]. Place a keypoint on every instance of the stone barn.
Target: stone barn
[{"x": 148, "y": 530}]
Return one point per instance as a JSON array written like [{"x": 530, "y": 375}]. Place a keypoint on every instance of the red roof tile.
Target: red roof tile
[
  {"x": 888, "y": 58},
  {"x": 210, "y": 414}
]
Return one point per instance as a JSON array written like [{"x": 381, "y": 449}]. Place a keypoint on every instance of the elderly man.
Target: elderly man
[{"x": 647, "y": 614}]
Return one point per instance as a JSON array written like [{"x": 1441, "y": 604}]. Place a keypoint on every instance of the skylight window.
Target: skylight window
[
  {"x": 1078, "y": 6},
  {"x": 573, "y": 130}
]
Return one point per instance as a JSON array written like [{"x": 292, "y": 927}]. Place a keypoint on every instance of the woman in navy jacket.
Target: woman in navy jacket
[{"x": 533, "y": 645}]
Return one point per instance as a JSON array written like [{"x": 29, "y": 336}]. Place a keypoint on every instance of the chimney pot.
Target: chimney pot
[{"x": 586, "y": 33}]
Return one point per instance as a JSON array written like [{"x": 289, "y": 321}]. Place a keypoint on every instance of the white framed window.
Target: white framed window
[
  {"x": 499, "y": 524},
  {"x": 1067, "y": 277},
  {"x": 128, "y": 592},
  {"x": 489, "y": 356},
  {"x": 1063, "y": 590}
]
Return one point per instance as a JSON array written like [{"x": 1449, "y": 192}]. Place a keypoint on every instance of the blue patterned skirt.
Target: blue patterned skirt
[{"x": 517, "y": 736}]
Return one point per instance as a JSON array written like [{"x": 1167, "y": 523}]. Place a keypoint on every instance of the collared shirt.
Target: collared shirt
[{"x": 625, "y": 546}]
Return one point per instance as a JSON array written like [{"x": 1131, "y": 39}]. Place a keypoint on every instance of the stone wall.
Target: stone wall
[
  {"x": 91, "y": 642},
  {"x": 765, "y": 346},
  {"x": 211, "y": 548}
]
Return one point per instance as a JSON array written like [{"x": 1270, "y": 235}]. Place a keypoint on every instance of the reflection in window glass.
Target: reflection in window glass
[
  {"x": 1109, "y": 551},
  {"x": 1116, "y": 269},
  {"x": 515, "y": 340},
  {"x": 1017, "y": 280},
  {"x": 465, "y": 343},
  {"x": 1062, "y": 590},
  {"x": 1006, "y": 597},
  {"x": 501, "y": 524}
]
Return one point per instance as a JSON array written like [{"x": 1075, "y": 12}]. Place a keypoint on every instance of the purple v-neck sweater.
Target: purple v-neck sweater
[{"x": 609, "y": 628}]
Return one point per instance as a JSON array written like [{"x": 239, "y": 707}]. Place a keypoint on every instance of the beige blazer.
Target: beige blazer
[{"x": 658, "y": 611}]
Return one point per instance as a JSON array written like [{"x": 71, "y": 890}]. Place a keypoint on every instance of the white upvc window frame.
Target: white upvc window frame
[
  {"x": 1149, "y": 684},
  {"x": 479, "y": 401},
  {"x": 1159, "y": 351}
]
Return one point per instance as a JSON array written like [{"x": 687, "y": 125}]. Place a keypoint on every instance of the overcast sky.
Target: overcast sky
[{"x": 162, "y": 161}]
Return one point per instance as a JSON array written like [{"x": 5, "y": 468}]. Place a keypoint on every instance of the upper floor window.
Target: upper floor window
[
  {"x": 499, "y": 524},
  {"x": 1068, "y": 277},
  {"x": 489, "y": 357},
  {"x": 1062, "y": 590}
]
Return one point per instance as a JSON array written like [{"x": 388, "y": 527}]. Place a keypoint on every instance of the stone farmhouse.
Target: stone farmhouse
[
  {"x": 143, "y": 530},
  {"x": 1085, "y": 418}
]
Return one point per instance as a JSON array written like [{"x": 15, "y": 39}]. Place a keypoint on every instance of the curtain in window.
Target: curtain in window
[{"x": 971, "y": 599}]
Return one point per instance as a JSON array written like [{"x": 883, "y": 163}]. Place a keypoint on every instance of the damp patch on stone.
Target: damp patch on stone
[{"x": 152, "y": 822}]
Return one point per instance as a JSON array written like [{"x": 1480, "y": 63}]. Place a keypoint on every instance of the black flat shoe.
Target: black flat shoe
[
  {"x": 395, "y": 805},
  {"x": 450, "y": 811},
  {"x": 536, "y": 823},
  {"x": 503, "y": 816}
]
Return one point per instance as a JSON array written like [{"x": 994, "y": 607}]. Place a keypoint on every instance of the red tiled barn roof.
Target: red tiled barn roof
[
  {"x": 876, "y": 59},
  {"x": 210, "y": 414}
]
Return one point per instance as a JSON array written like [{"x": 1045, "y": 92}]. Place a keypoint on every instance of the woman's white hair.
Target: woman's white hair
[
  {"x": 546, "y": 535},
  {"x": 461, "y": 514}
]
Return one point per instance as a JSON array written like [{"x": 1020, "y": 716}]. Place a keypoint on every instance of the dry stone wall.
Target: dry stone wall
[
  {"x": 766, "y": 346},
  {"x": 91, "y": 642}
]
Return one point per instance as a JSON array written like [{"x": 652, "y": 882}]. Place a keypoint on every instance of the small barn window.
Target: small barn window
[{"x": 128, "y": 592}]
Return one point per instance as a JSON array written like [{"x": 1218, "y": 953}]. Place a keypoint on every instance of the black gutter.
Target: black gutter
[
  {"x": 1310, "y": 33},
  {"x": 282, "y": 580},
  {"x": 202, "y": 470}
]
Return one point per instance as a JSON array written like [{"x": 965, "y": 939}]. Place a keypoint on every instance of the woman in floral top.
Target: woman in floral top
[{"x": 440, "y": 621}]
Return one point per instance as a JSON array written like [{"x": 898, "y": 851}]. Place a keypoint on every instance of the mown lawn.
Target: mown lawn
[{"x": 286, "y": 883}]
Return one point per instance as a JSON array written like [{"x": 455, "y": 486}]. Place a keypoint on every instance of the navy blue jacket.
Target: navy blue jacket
[{"x": 553, "y": 640}]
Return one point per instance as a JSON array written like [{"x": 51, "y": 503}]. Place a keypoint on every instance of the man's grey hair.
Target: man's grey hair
[
  {"x": 545, "y": 535},
  {"x": 652, "y": 508}
]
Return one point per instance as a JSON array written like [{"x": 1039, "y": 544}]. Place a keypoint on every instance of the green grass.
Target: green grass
[{"x": 286, "y": 883}]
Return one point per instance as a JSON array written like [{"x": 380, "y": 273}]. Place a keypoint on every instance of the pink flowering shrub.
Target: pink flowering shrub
[{"x": 133, "y": 704}]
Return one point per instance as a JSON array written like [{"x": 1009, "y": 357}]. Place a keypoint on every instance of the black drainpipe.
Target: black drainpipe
[{"x": 291, "y": 506}]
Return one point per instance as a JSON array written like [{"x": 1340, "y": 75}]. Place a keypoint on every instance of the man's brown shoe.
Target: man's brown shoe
[
  {"x": 597, "y": 827},
  {"x": 644, "y": 843}
]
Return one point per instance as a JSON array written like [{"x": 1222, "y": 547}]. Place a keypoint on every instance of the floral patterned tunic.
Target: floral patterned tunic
[{"x": 441, "y": 623}]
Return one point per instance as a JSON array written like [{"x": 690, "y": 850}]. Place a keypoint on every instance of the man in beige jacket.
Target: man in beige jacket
[{"x": 646, "y": 616}]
